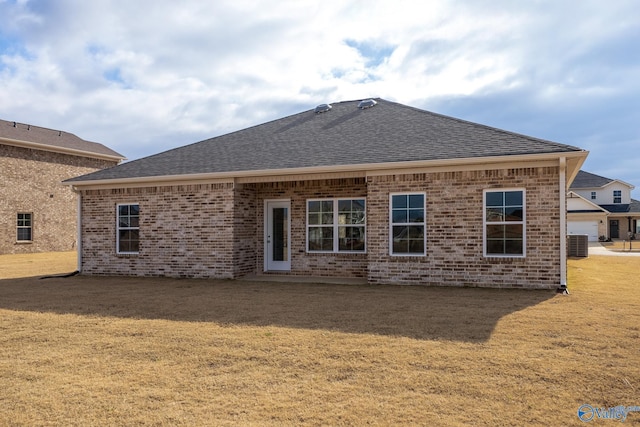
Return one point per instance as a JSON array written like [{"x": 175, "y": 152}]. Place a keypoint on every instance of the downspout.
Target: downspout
[
  {"x": 79, "y": 226},
  {"x": 563, "y": 223}
]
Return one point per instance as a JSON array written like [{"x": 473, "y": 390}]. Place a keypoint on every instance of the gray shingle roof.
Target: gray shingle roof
[
  {"x": 54, "y": 139},
  {"x": 618, "y": 208},
  {"x": 633, "y": 207},
  {"x": 345, "y": 135},
  {"x": 589, "y": 180}
]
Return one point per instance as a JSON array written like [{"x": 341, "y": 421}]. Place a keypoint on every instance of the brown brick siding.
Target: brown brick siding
[
  {"x": 209, "y": 230},
  {"x": 217, "y": 230},
  {"x": 454, "y": 230},
  {"x": 247, "y": 239},
  {"x": 32, "y": 183},
  {"x": 303, "y": 263},
  {"x": 185, "y": 231}
]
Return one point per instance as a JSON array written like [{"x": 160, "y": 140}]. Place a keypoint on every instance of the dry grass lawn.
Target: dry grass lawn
[{"x": 83, "y": 351}]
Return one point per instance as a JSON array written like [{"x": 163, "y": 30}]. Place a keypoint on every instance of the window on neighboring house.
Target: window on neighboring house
[
  {"x": 617, "y": 196},
  {"x": 504, "y": 223},
  {"x": 593, "y": 195},
  {"x": 407, "y": 224},
  {"x": 336, "y": 225},
  {"x": 24, "y": 227},
  {"x": 128, "y": 234}
]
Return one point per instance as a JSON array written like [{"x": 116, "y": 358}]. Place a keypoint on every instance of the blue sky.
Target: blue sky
[{"x": 144, "y": 77}]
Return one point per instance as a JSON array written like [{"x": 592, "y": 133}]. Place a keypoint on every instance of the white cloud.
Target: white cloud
[{"x": 143, "y": 77}]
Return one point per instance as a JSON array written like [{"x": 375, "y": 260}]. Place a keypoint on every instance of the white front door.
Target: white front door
[{"x": 277, "y": 251}]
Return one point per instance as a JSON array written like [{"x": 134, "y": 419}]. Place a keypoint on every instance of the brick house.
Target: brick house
[
  {"x": 374, "y": 190},
  {"x": 37, "y": 212}
]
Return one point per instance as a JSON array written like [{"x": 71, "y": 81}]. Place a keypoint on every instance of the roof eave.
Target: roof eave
[
  {"x": 62, "y": 150},
  {"x": 365, "y": 168},
  {"x": 632, "y": 187},
  {"x": 600, "y": 187}
]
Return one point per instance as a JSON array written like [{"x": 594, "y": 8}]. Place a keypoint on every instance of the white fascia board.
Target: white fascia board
[
  {"x": 574, "y": 164},
  {"x": 617, "y": 181},
  {"x": 62, "y": 150},
  {"x": 360, "y": 169}
]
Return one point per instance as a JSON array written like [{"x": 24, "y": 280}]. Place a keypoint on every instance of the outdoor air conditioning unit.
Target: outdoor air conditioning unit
[{"x": 578, "y": 245}]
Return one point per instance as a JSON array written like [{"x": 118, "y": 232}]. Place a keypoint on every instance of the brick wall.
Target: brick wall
[
  {"x": 209, "y": 230},
  {"x": 31, "y": 183},
  {"x": 454, "y": 222},
  {"x": 217, "y": 230},
  {"x": 185, "y": 231},
  {"x": 303, "y": 263},
  {"x": 247, "y": 239}
]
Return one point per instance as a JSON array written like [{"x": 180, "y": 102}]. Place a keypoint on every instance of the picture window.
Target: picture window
[{"x": 336, "y": 225}]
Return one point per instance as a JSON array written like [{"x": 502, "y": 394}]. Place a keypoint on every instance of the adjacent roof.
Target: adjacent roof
[
  {"x": 344, "y": 135},
  {"x": 633, "y": 207},
  {"x": 590, "y": 180},
  {"x": 24, "y": 135},
  {"x": 617, "y": 208},
  {"x": 585, "y": 180}
]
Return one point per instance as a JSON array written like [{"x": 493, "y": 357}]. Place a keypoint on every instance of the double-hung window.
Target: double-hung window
[
  {"x": 336, "y": 225},
  {"x": 24, "y": 227},
  {"x": 617, "y": 196},
  {"x": 504, "y": 223},
  {"x": 407, "y": 224},
  {"x": 593, "y": 195},
  {"x": 128, "y": 234}
]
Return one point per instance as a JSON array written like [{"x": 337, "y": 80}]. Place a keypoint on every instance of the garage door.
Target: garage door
[{"x": 590, "y": 228}]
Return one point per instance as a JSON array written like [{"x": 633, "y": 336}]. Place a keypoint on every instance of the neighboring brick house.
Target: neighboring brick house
[
  {"x": 602, "y": 208},
  {"x": 37, "y": 212},
  {"x": 374, "y": 190}
]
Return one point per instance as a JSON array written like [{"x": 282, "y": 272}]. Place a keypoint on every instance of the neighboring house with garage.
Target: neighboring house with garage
[
  {"x": 37, "y": 212},
  {"x": 602, "y": 208},
  {"x": 371, "y": 189}
]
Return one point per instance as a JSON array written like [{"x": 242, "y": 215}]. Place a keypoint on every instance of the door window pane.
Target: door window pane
[{"x": 280, "y": 234}]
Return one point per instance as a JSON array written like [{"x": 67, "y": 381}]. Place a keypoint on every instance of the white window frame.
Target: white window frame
[
  {"x": 119, "y": 228},
  {"x": 523, "y": 222},
  {"x": 336, "y": 226},
  {"x": 414, "y": 224},
  {"x": 594, "y": 195},
  {"x": 23, "y": 227}
]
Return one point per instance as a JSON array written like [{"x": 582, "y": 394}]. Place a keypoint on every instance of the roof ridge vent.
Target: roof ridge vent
[
  {"x": 323, "y": 108},
  {"x": 366, "y": 103}
]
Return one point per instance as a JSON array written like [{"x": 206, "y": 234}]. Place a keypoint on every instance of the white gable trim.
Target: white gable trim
[
  {"x": 589, "y": 203},
  {"x": 363, "y": 170}
]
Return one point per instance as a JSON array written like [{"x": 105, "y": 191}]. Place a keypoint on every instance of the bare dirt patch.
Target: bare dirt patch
[{"x": 140, "y": 351}]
